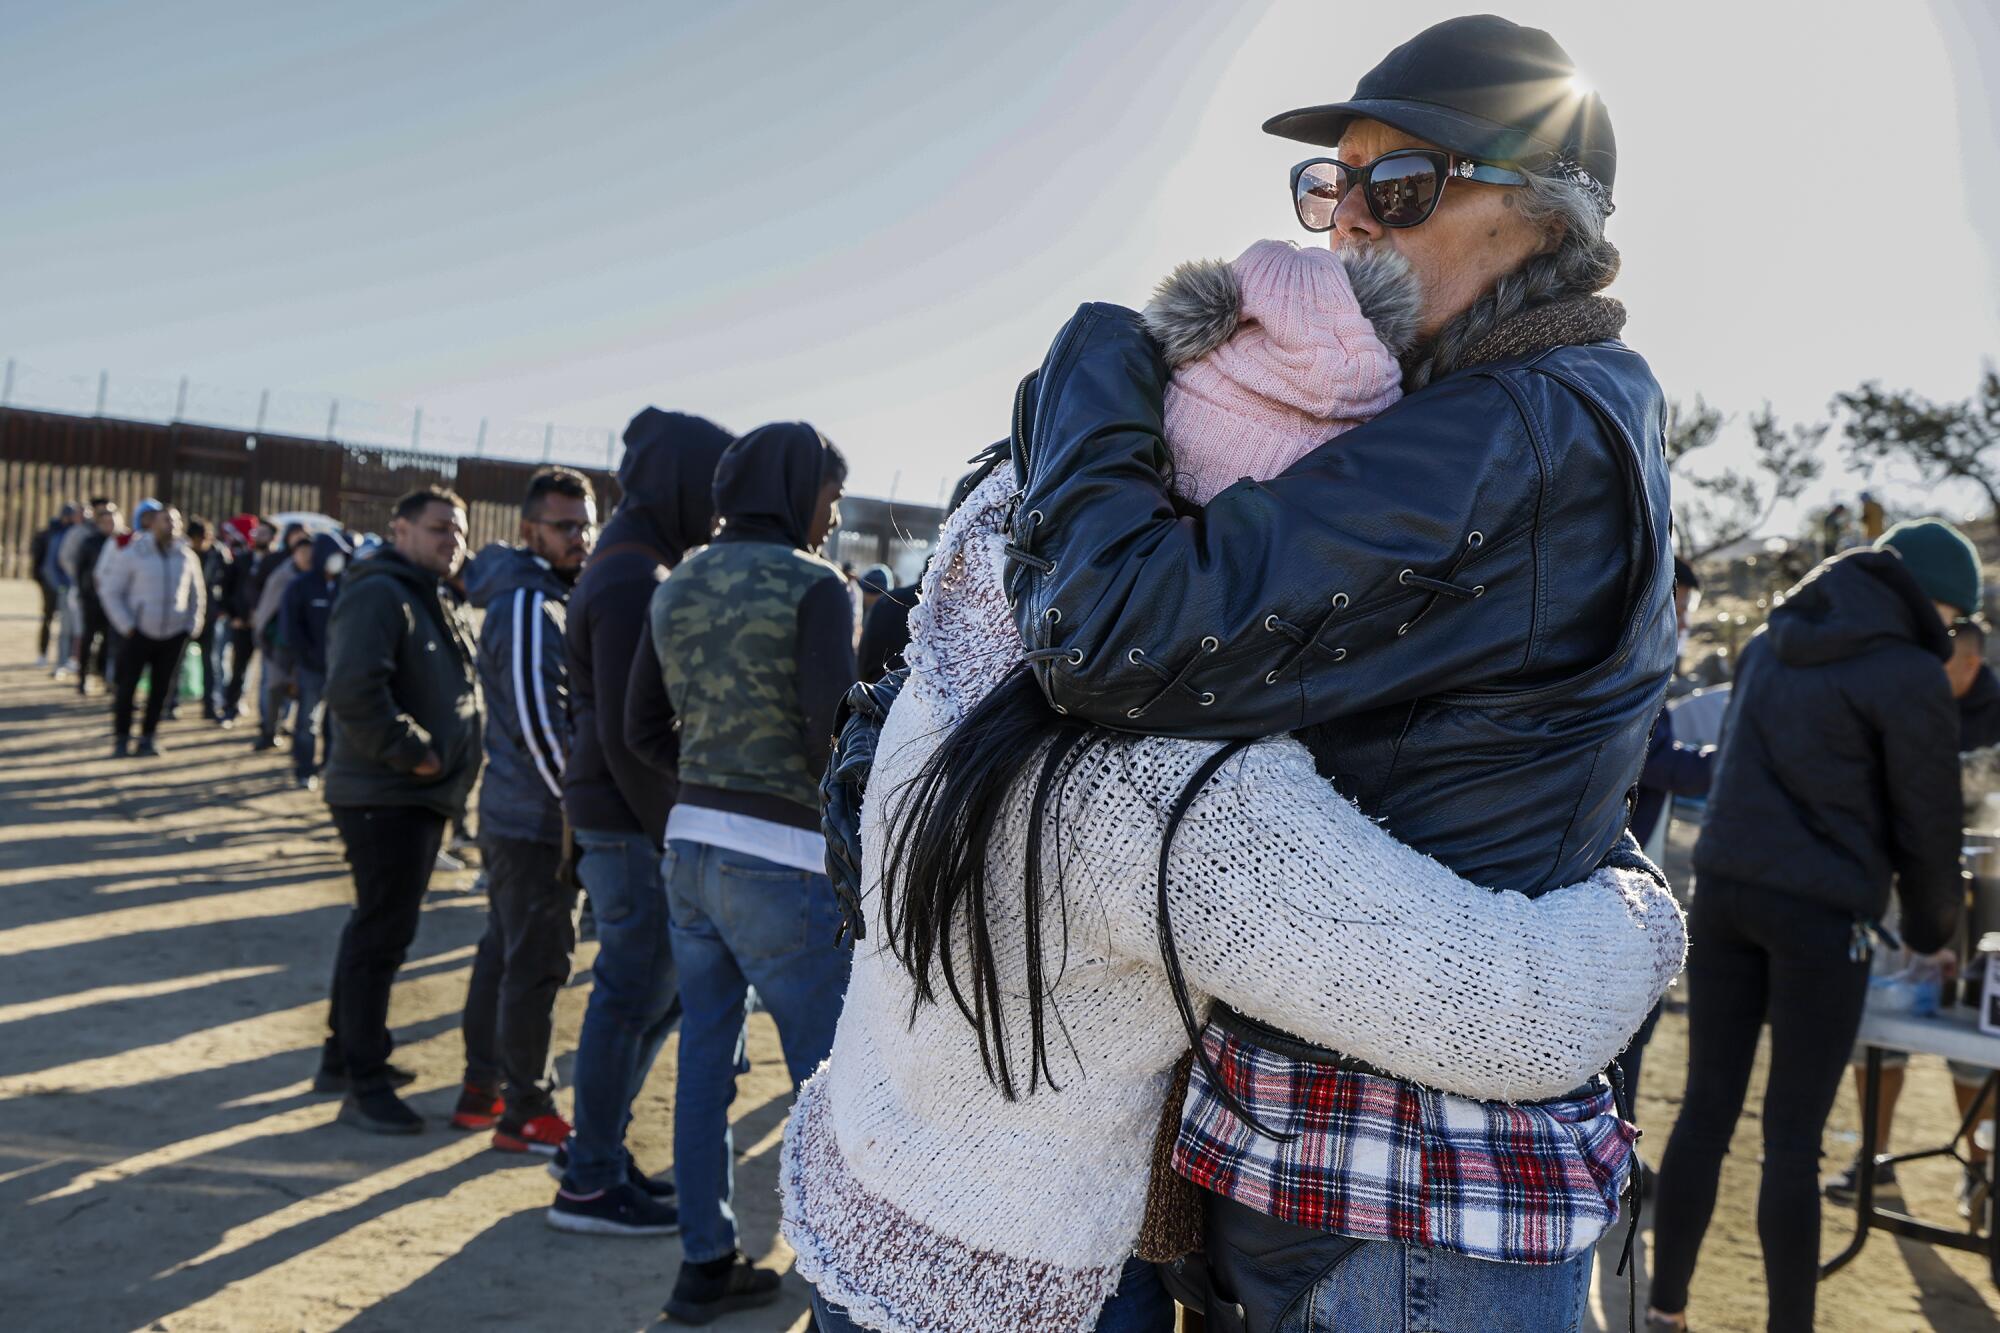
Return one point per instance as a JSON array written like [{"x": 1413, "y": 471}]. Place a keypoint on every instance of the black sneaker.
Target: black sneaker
[
  {"x": 655, "y": 1187},
  {"x": 708, "y": 1291},
  {"x": 618, "y": 1211},
  {"x": 120, "y": 748},
  {"x": 1843, "y": 1187},
  {"x": 146, "y": 749},
  {"x": 264, "y": 742},
  {"x": 379, "y": 1112},
  {"x": 331, "y": 1079}
]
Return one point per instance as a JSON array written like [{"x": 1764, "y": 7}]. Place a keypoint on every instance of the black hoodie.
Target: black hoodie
[
  {"x": 1839, "y": 762},
  {"x": 667, "y": 478}
]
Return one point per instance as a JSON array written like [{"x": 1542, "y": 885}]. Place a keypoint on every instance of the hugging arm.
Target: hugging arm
[{"x": 1294, "y": 908}]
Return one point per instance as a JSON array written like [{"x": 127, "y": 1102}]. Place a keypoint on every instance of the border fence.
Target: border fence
[{"x": 49, "y": 458}]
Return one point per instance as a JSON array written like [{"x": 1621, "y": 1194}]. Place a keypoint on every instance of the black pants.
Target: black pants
[
  {"x": 1756, "y": 953},
  {"x": 242, "y": 646},
  {"x": 51, "y": 611},
  {"x": 522, "y": 963},
  {"x": 392, "y": 850},
  {"x": 97, "y": 632},
  {"x": 141, "y": 655},
  {"x": 205, "y": 645}
]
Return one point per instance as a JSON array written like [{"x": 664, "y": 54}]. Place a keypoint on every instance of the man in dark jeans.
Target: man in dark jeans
[
  {"x": 48, "y": 575},
  {"x": 403, "y": 704},
  {"x": 215, "y": 562},
  {"x": 1838, "y": 775},
  {"x": 97, "y": 630},
  {"x": 753, "y": 645},
  {"x": 525, "y": 955},
  {"x": 302, "y": 620},
  {"x": 618, "y": 807},
  {"x": 239, "y": 599}
]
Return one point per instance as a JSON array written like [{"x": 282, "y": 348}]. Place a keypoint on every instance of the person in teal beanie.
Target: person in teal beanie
[{"x": 1941, "y": 559}]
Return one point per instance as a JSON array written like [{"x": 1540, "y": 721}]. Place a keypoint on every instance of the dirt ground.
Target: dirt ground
[{"x": 166, "y": 929}]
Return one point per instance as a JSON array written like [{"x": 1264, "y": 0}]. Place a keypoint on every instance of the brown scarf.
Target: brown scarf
[{"x": 1568, "y": 321}]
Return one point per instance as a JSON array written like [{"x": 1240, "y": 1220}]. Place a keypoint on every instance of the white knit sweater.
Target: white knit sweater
[{"x": 921, "y": 1200}]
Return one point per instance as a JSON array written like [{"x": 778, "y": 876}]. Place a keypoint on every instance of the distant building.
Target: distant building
[{"x": 889, "y": 532}]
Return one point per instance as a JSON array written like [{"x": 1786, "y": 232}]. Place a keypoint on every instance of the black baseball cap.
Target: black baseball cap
[{"x": 1481, "y": 87}]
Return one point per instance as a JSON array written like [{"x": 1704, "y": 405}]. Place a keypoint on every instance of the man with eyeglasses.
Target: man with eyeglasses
[{"x": 524, "y": 957}]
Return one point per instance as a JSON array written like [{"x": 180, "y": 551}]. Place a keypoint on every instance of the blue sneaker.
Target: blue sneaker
[{"x": 622, "y": 1210}]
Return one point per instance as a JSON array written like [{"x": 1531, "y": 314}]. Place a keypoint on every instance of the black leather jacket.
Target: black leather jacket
[{"x": 1463, "y": 605}]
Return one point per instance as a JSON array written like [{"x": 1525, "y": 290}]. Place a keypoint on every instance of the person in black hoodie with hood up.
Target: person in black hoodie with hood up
[
  {"x": 617, "y": 808},
  {"x": 1838, "y": 774}
]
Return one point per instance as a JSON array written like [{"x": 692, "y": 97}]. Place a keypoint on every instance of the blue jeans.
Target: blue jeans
[
  {"x": 741, "y": 921},
  {"x": 1292, "y": 1279},
  {"x": 306, "y": 722},
  {"x": 632, "y": 1000},
  {"x": 1140, "y": 1305}
]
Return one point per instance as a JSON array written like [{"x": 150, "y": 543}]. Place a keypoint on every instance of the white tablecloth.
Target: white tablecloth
[{"x": 1953, "y": 1033}]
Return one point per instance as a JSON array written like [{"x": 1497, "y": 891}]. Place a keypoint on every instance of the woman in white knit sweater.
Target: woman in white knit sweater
[{"x": 975, "y": 1153}]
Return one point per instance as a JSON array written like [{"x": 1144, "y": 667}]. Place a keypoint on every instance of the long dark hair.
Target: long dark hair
[{"x": 935, "y": 872}]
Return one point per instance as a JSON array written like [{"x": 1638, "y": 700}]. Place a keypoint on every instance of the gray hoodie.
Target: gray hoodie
[
  {"x": 524, "y": 674},
  {"x": 158, "y": 593}
]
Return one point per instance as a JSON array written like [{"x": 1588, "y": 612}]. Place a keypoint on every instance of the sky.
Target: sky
[{"x": 875, "y": 216}]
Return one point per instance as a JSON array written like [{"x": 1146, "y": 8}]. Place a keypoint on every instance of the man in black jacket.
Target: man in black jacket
[
  {"x": 1838, "y": 775},
  {"x": 402, "y": 702},
  {"x": 618, "y": 809},
  {"x": 240, "y": 589},
  {"x": 1977, "y": 691},
  {"x": 96, "y": 627},
  {"x": 215, "y": 567},
  {"x": 1975, "y": 687},
  {"x": 40, "y": 567}
]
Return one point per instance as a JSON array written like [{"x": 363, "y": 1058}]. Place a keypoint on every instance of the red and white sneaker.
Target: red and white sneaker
[
  {"x": 478, "y": 1108},
  {"x": 542, "y": 1135}
]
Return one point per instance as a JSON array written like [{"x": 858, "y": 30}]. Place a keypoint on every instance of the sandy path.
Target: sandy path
[{"x": 165, "y": 931}]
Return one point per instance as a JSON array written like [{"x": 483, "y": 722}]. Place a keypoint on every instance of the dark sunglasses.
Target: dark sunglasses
[
  {"x": 572, "y": 529},
  {"x": 1401, "y": 188}
]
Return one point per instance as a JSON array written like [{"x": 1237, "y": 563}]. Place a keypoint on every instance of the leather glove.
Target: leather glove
[{"x": 857, "y": 726}]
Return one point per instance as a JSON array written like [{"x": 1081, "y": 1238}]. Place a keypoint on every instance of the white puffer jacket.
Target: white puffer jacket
[{"x": 159, "y": 593}]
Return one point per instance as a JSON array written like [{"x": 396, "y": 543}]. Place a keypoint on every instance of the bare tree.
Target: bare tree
[
  {"x": 1716, "y": 509},
  {"x": 1942, "y": 441}
]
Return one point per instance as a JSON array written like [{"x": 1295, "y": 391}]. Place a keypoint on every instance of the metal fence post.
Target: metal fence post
[
  {"x": 332, "y": 416},
  {"x": 103, "y": 388},
  {"x": 479, "y": 445},
  {"x": 263, "y": 408},
  {"x": 548, "y": 440},
  {"x": 181, "y": 400},
  {"x": 610, "y": 444},
  {"x": 417, "y": 430}
]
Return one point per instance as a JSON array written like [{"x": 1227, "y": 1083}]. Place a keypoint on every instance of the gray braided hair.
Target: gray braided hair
[{"x": 1584, "y": 262}]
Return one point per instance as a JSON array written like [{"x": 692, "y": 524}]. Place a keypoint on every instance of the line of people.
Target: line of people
[
  {"x": 190, "y": 607},
  {"x": 653, "y": 742},
  {"x": 648, "y": 742}
]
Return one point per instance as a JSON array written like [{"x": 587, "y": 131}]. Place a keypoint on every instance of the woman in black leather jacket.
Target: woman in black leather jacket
[{"x": 1464, "y": 605}]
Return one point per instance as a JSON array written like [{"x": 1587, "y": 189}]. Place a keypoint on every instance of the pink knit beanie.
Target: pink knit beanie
[{"x": 1274, "y": 357}]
